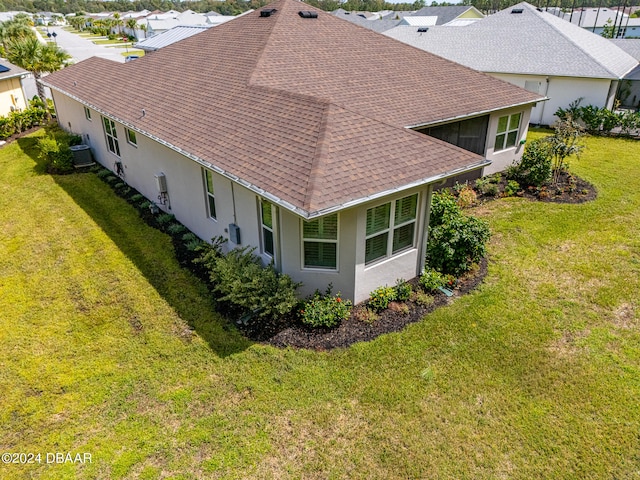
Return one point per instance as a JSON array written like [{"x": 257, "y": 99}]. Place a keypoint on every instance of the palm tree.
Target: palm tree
[
  {"x": 132, "y": 24},
  {"x": 14, "y": 30},
  {"x": 38, "y": 58}
]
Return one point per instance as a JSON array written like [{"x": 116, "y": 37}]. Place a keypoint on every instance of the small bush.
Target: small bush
[
  {"x": 486, "y": 187},
  {"x": 364, "y": 314},
  {"x": 120, "y": 185},
  {"x": 145, "y": 205},
  {"x": 325, "y": 310},
  {"x": 424, "y": 299},
  {"x": 511, "y": 188},
  {"x": 176, "y": 229},
  {"x": 164, "y": 219},
  {"x": 103, "y": 173},
  {"x": 456, "y": 241},
  {"x": 467, "y": 197},
  {"x": 111, "y": 178},
  {"x": 136, "y": 197},
  {"x": 399, "y": 307},
  {"x": 431, "y": 280},
  {"x": 380, "y": 298},
  {"x": 535, "y": 167},
  {"x": 403, "y": 290},
  {"x": 240, "y": 280}
]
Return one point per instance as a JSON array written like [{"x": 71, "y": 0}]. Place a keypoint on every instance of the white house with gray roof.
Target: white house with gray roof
[{"x": 535, "y": 50}]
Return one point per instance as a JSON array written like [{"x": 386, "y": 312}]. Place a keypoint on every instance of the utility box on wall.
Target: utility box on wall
[
  {"x": 234, "y": 233},
  {"x": 161, "y": 182}
]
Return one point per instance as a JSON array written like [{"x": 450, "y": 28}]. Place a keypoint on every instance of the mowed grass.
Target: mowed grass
[{"x": 108, "y": 347}]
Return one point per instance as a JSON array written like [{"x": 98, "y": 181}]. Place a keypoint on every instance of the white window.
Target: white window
[
  {"x": 111, "y": 136},
  {"x": 508, "y": 128},
  {"x": 320, "y": 243},
  {"x": 131, "y": 137},
  {"x": 210, "y": 196},
  {"x": 268, "y": 215},
  {"x": 87, "y": 113},
  {"x": 395, "y": 221}
]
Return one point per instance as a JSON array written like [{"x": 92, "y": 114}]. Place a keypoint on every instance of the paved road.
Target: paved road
[{"x": 80, "y": 48}]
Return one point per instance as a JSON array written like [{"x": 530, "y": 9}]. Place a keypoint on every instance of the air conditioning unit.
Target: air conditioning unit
[
  {"x": 161, "y": 182},
  {"x": 234, "y": 233}
]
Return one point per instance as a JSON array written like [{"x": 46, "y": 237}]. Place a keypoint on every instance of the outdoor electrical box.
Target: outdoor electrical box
[
  {"x": 234, "y": 233},
  {"x": 161, "y": 182}
]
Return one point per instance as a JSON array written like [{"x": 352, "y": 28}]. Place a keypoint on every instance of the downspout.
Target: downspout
[
  {"x": 425, "y": 232},
  {"x": 546, "y": 90}
]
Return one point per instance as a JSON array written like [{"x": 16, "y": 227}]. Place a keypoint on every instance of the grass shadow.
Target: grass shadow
[{"x": 151, "y": 251}]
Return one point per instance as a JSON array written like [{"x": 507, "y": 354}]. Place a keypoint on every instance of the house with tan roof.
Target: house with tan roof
[{"x": 314, "y": 140}]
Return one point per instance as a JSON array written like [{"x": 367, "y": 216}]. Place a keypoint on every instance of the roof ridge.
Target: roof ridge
[
  {"x": 320, "y": 156},
  {"x": 570, "y": 39}
]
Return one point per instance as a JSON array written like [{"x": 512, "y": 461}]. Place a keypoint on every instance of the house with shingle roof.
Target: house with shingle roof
[
  {"x": 12, "y": 95},
  {"x": 534, "y": 50},
  {"x": 312, "y": 139}
]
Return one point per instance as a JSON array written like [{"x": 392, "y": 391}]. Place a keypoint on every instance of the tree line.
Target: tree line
[{"x": 234, "y": 7}]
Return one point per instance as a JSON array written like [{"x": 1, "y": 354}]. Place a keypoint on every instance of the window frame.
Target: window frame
[
  {"x": 87, "y": 113},
  {"x": 272, "y": 229},
  {"x": 128, "y": 132},
  {"x": 209, "y": 196},
  {"x": 506, "y": 132},
  {"x": 335, "y": 241},
  {"x": 391, "y": 228},
  {"x": 110, "y": 133}
]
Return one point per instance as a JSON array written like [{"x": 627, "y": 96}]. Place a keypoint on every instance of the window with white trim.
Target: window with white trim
[
  {"x": 131, "y": 137},
  {"x": 268, "y": 215},
  {"x": 390, "y": 228},
  {"x": 320, "y": 242},
  {"x": 508, "y": 128},
  {"x": 111, "y": 136},
  {"x": 210, "y": 196},
  {"x": 87, "y": 113}
]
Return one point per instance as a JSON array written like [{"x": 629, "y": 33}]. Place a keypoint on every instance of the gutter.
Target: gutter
[
  {"x": 475, "y": 114},
  {"x": 264, "y": 194}
]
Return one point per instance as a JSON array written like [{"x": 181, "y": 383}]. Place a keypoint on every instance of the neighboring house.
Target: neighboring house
[
  {"x": 11, "y": 92},
  {"x": 596, "y": 19},
  {"x": 425, "y": 17},
  {"x": 169, "y": 37},
  {"x": 295, "y": 132},
  {"x": 454, "y": 15},
  {"x": 534, "y": 50},
  {"x": 629, "y": 90}
]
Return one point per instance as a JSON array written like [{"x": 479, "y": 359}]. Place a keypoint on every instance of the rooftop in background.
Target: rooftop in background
[
  {"x": 292, "y": 102},
  {"x": 523, "y": 40},
  {"x": 169, "y": 37},
  {"x": 9, "y": 70}
]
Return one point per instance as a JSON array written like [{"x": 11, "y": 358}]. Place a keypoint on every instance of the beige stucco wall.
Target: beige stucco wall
[
  {"x": 11, "y": 95},
  {"x": 239, "y": 205}
]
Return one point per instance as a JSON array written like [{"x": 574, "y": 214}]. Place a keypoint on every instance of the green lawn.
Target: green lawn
[{"x": 109, "y": 347}]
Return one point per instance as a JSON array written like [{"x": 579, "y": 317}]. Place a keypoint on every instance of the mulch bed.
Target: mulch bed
[{"x": 290, "y": 332}]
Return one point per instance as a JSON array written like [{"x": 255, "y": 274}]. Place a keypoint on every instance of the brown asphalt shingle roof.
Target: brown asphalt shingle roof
[{"x": 312, "y": 111}]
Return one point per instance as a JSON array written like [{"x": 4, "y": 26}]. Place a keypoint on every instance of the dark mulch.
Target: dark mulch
[
  {"x": 289, "y": 332},
  {"x": 569, "y": 189}
]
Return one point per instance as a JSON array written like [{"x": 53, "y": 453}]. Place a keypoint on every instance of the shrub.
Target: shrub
[
  {"x": 240, "y": 280},
  {"x": 486, "y": 186},
  {"x": 511, "y": 188},
  {"x": 103, "y": 173},
  {"x": 111, "y": 178},
  {"x": 535, "y": 167},
  {"x": 164, "y": 219},
  {"x": 379, "y": 299},
  {"x": 467, "y": 197},
  {"x": 56, "y": 154},
  {"x": 176, "y": 228},
  {"x": 136, "y": 197},
  {"x": 424, "y": 299},
  {"x": 431, "y": 280},
  {"x": 456, "y": 241},
  {"x": 325, "y": 310},
  {"x": 364, "y": 314},
  {"x": 399, "y": 307},
  {"x": 403, "y": 290}
]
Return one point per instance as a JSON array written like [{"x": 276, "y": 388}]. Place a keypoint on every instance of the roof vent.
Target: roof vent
[
  {"x": 422, "y": 29},
  {"x": 267, "y": 12},
  {"x": 308, "y": 14},
  {"x": 517, "y": 10}
]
